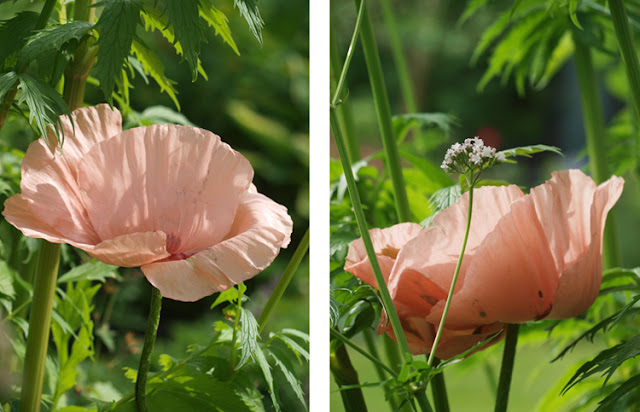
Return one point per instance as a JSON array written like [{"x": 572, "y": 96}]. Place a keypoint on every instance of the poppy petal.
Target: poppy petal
[
  {"x": 260, "y": 229},
  {"x": 132, "y": 250},
  {"x": 144, "y": 189}
]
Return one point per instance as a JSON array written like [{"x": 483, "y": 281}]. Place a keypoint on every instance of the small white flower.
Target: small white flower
[{"x": 500, "y": 157}]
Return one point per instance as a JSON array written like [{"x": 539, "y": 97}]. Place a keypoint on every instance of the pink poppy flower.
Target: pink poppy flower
[
  {"x": 420, "y": 334},
  {"x": 174, "y": 200},
  {"x": 529, "y": 257}
]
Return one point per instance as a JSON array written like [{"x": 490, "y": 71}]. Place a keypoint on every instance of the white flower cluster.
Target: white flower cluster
[{"x": 472, "y": 154}]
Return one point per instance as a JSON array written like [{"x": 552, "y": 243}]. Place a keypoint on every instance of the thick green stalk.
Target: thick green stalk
[
  {"x": 44, "y": 291},
  {"x": 77, "y": 73},
  {"x": 453, "y": 281},
  {"x": 383, "y": 111},
  {"x": 398, "y": 57},
  {"x": 289, "y": 271},
  {"x": 627, "y": 49},
  {"x": 439, "y": 391},
  {"x": 593, "y": 116},
  {"x": 373, "y": 260},
  {"x": 345, "y": 112},
  {"x": 508, "y": 359},
  {"x": 345, "y": 375},
  {"x": 371, "y": 357},
  {"x": 380, "y": 371},
  {"x": 147, "y": 349}
]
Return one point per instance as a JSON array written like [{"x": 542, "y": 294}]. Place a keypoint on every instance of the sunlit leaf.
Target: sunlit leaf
[
  {"x": 261, "y": 360},
  {"x": 247, "y": 336},
  {"x": 7, "y": 81},
  {"x": 527, "y": 151},
  {"x": 154, "y": 67},
  {"x": 216, "y": 19},
  {"x": 290, "y": 377}
]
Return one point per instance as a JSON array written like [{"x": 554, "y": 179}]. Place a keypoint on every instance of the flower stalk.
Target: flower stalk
[
  {"x": 44, "y": 290},
  {"x": 147, "y": 348},
  {"x": 284, "y": 281},
  {"x": 383, "y": 111},
  {"x": 593, "y": 116},
  {"x": 508, "y": 358},
  {"x": 346, "y": 376}
]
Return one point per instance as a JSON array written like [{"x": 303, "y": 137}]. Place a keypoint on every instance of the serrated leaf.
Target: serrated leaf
[
  {"x": 217, "y": 19},
  {"x": 446, "y": 122},
  {"x": 46, "y": 43},
  {"x": 45, "y": 105},
  {"x": 446, "y": 196},
  {"x": 184, "y": 17},
  {"x": 261, "y": 360},
  {"x": 573, "y": 7},
  {"x": 7, "y": 81},
  {"x": 607, "y": 403},
  {"x": 117, "y": 27},
  {"x": 94, "y": 270},
  {"x": 13, "y": 35},
  {"x": 249, "y": 10},
  {"x": 163, "y": 115},
  {"x": 291, "y": 379},
  {"x": 293, "y": 346},
  {"x": 152, "y": 66},
  {"x": 247, "y": 336}
]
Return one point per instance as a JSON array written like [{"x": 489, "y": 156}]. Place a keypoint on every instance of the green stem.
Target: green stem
[
  {"x": 41, "y": 23},
  {"x": 453, "y": 282},
  {"x": 439, "y": 391},
  {"x": 364, "y": 232},
  {"x": 289, "y": 271},
  {"x": 380, "y": 370},
  {"x": 345, "y": 375},
  {"x": 345, "y": 112},
  {"x": 364, "y": 353},
  {"x": 147, "y": 349},
  {"x": 508, "y": 358},
  {"x": 398, "y": 57},
  {"x": 383, "y": 111},
  {"x": 593, "y": 118},
  {"x": 234, "y": 349},
  {"x": 366, "y": 239},
  {"x": 44, "y": 291},
  {"x": 627, "y": 48},
  {"x": 77, "y": 73}
]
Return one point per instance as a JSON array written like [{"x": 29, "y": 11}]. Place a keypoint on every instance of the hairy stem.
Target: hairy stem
[
  {"x": 508, "y": 359},
  {"x": 147, "y": 349},
  {"x": 383, "y": 111},
  {"x": 44, "y": 291},
  {"x": 593, "y": 116},
  {"x": 284, "y": 281}
]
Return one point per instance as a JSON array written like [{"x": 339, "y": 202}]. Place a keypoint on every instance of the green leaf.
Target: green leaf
[
  {"x": 291, "y": 379},
  {"x": 292, "y": 345},
  {"x": 45, "y": 105},
  {"x": 573, "y": 6},
  {"x": 6, "y": 280},
  {"x": 184, "y": 17},
  {"x": 607, "y": 403},
  {"x": 7, "y": 81},
  {"x": 446, "y": 122},
  {"x": 247, "y": 336},
  {"x": 117, "y": 27},
  {"x": 46, "y": 43},
  {"x": 13, "y": 35},
  {"x": 94, "y": 270},
  {"x": 433, "y": 173},
  {"x": 261, "y": 360},
  {"x": 229, "y": 295},
  {"x": 162, "y": 115},
  {"x": 249, "y": 10},
  {"x": 152, "y": 66},
  {"x": 527, "y": 151},
  {"x": 217, "y": 19},
  {"x": 446, "y": 196}
]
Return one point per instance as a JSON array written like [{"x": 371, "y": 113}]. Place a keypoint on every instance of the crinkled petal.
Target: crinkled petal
[
  {"x": 426, "y": 264},
  {"x": 260, "y": 229},
  {"x": 580, "y": 282},
  {"x": 386, "y": 244},
  {"x": 132, "y": 250},
  {"x": 180, "y": 180},
  {"x": 50, "y": 205}
]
